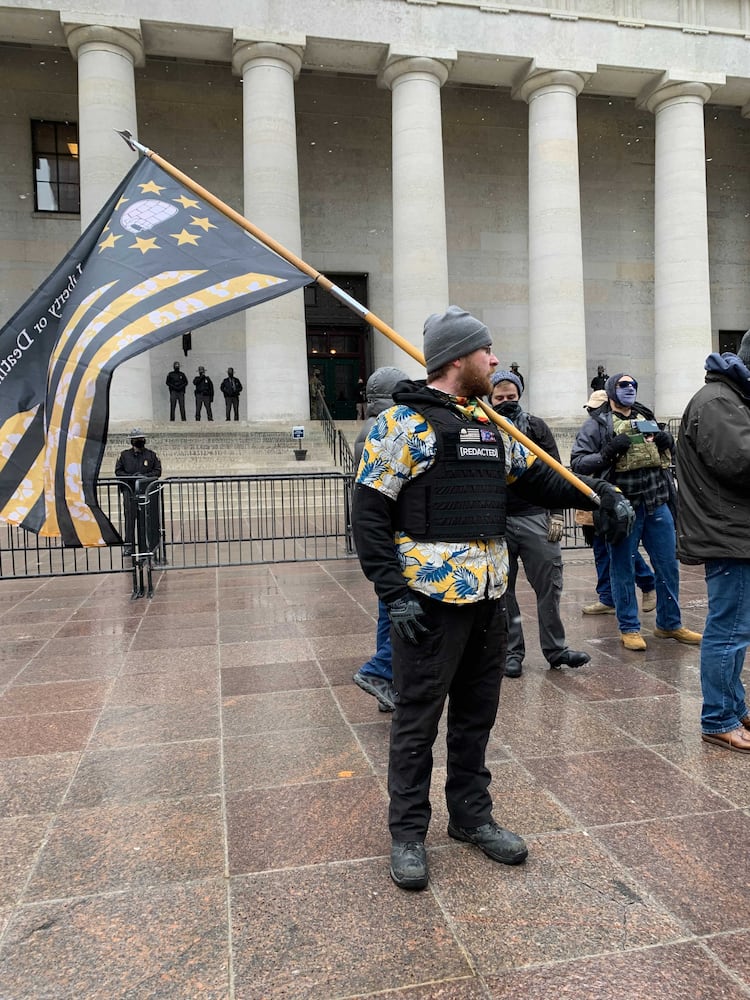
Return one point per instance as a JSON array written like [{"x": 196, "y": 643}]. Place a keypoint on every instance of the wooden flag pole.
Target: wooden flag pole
[{"x": 348, "y": 301}]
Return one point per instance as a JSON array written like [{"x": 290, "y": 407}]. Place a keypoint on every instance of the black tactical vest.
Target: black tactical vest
[{"x": 461, "y": 497}]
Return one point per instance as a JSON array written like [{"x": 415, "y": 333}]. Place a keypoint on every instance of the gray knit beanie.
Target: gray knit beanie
[
  {"x": 452, "y": 335},
  {"x": 501, "y": 375},
  {"x": 743, "y": 352}
]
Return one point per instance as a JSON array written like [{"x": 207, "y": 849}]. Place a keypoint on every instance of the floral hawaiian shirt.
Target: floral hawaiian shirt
[{"x": 401, "y": 446}]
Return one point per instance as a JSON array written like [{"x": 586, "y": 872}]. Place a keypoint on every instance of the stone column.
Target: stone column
[
  {"x": 682, "y": 291},
  {"x": 106, "y": 101},
  {"x": 556, "y": 379},
  {"x": 420, "y": 253},
  {"x": 277, "y": 387}
]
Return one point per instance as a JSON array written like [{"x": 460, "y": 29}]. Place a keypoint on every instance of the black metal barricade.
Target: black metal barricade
[{"x": 200, "y": 521}]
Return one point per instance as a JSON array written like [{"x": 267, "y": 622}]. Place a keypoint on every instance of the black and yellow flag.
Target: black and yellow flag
[{"x": 156, "y": 262}]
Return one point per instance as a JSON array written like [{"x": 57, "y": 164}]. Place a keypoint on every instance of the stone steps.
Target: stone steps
[{"x": 220, "y": 448}]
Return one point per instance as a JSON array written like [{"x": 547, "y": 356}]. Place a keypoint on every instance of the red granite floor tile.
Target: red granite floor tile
[
  {"x": 65, "y": 696},
  {"x": 31, "y": 735},
  {"x": 593, "y": 788},
  {"x": 662, "y": 973},
  {"x": 568, "y": 900},
  {"x": 152, "y": 943},
  {"x": 137, "y": 774},
  {"x": 21, "y": 838},
  {"x": 136, "y": 725},
  {"x": 293, "y": 757},
  {"x": 30, "y": 785},
  {"x": 323, "y": 932},
  {"x": 121, "y": 846},
  {"x": 694, "y": 865},
  {"x": 332, "y": 821}
]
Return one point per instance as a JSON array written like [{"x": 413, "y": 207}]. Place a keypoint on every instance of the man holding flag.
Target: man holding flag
[{"x": 428, "y": 521}]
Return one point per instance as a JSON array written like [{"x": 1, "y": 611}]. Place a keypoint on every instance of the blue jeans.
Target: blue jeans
[
  {"x": 644, "y": 575},
  {"x": 725, "y": 639},
  {"x": 380, "y": 664},
  {"x": 657, "y": 533}
]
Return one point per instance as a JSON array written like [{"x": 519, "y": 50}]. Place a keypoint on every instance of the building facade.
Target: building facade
[{"x": 574, "y": 172}]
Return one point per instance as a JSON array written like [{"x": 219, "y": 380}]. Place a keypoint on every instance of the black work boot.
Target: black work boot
[
  {"x": 496, "y": 842},
  {"x": 409, "y": 864},
  {"x": 570, "y": 658}
]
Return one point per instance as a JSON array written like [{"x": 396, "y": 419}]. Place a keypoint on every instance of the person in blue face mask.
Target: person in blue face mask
[{"x": 622, "y": 442}]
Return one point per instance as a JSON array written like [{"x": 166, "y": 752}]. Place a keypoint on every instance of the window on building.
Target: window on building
[{"x": 54, "y": 147}]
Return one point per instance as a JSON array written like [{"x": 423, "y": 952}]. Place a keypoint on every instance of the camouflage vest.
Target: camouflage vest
[{"x": 641, "y": 454}]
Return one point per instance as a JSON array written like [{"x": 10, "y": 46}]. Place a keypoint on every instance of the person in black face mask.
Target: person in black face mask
[
  {"x": 533, "y": 534},
  {"x": 136, "y": 466}
]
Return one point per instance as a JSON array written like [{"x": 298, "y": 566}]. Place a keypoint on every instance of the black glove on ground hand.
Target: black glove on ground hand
[
  {"x": 616, "y": 447},
  {"x": 663, "y": 440},
  {"x": 408, "y": 620},
  {"x": 615, "y": 517}
]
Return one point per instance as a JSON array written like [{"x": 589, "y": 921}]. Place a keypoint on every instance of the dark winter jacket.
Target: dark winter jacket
[
  {"x": 713, "y": 466},
  {"x": 231, "y": 386},
  {"x": 204, "y": 386},
  {"x": 134, "y": 464},
  {"x": 585, "y": 455},
  {"x": 176, "y": 380},
  {"x": 539, "y": 432}
]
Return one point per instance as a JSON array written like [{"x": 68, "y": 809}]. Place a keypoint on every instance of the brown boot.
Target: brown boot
[
  {"x": 681, "y": 634},
  {"x": 632, "y": 640},
  {"x": 737, "y": 740}
]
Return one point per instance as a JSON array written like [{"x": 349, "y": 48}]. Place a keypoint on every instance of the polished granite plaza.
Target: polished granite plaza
[{"x": 193, "y": 805}]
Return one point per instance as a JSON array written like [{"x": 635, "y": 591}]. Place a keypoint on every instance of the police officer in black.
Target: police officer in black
[
  {"x": 231, "y": 387},
  {"x": 204, "y": 393},
  {"x": 177, "y": 384},
  {"x": 136, "y": 466}
]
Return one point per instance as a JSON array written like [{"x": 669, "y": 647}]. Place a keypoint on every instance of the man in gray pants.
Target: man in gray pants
[{"x": 533, "y": 535}]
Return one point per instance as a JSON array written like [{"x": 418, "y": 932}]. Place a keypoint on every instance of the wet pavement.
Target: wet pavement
[{"x": 193, "y": 804}]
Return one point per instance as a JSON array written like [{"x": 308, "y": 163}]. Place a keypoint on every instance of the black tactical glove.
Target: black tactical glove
[
  {"x": 614, "y": 448},
  {"x": 663, "y": 440},
  {"x": 408, "y": 619},
  {"x": 615, "y": 517}
]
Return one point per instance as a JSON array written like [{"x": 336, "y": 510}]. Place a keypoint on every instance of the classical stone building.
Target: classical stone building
[{"x": 575, "y": 172}]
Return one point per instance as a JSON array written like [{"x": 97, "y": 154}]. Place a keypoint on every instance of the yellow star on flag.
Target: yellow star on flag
[
  {"x": 185, "y": 237},
  {"x": 150, "y": 186},
  {"x": 203, "y": 223},
  {"x": 109, "y": 242},
  {"x": 121, "y": 202},
  {"x": 144, "y": 245},
  {"x": 186, "y": 202}
]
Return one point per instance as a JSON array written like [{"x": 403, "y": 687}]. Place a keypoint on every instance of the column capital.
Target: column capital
[
  {"x": 437, "y": 65},
  {"x": 673, "y": 85},
  {"x": 125, "y": 37},
  {"x": 249, "y": 47},
  {"x": 538, "y": 78}
]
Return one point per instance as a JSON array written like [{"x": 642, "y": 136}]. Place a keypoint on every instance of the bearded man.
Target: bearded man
[{"x": 429, "y": 526}]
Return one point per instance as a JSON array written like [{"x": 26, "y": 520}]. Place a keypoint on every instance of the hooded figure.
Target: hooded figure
[
  {"x": 376, "y": 676},
  {"x": 378, "y": 397},
  {"x": 713, "y": 470}
]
